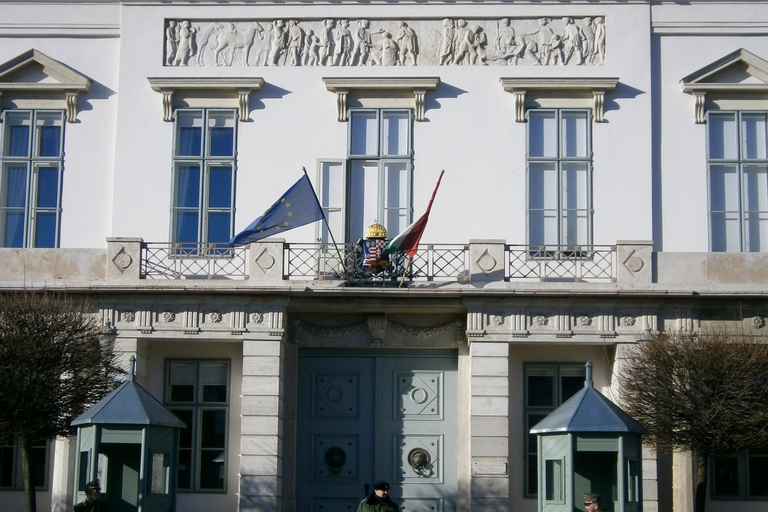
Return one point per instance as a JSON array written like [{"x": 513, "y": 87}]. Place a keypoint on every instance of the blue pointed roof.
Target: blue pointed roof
[
  {"x": 129, "y": 404},
  {"x": 588, "y": 411}
]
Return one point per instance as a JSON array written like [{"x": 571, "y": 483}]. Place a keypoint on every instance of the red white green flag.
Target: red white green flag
[{"x": 408, "y": 240}]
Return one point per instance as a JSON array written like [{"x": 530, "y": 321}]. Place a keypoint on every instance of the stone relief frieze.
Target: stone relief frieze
[{"x": 385, "y": 42}]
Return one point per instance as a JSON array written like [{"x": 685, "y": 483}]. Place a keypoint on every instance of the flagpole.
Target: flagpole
[
  {"x": 338, "y": 253},
  {"x": 405, "y": 273}
]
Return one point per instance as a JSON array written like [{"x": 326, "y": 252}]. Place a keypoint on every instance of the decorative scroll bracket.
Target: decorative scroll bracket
[
  {"x": 409, "y": 92},
  {"x": 237, "y": 89},
  {"x": 580, "y": 92}
]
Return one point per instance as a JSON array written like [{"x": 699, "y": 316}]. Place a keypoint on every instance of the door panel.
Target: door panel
[{"x": 363, "y": 419}]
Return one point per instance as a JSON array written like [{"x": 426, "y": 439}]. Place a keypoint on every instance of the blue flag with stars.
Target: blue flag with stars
[{"x": 297, "y": 207}]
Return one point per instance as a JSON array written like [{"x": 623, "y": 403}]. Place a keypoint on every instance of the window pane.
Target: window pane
[
  {"x": 186, "y": 227},
  {"x": 364, "y": 197},
  {"x": 542, "y": 134},
  {"x": 575, "y": 228},
  {"x": 570, "y": 385},
  {"x": 575, "y": 133},
  {"x": 160, "y": 468},
  {"x": 213, "y": 379},
  {"x": 726, "y": 476},
  {"x": 50, "y": 141},
  {"x": 38, "y": 465},
  {"x": 219, "y": 231},
  {"x": 185, "y": 470},
  {"x": 541, "y": 391},
  {"x": 396, "y": 198},
  {"x": 222, "y": 133},
  {"x": 6, "y": 464},
  {"x": 185, "y": 434},
  {"x": 213, "y": 431},
  {"x": 756, "y": 207},
  {"x": 724, "y": 188},
  {"x": 533, "y": 474},
  {"x": 543, "y": 186},
  {"x": 753, "y": 133},
  {"x": 188, "y": 186},
  {"x": 181, "y": 381},
  {"x": 15, "y": 187},
  {"x": 553, "y": 480},
  {"x": 364, "y": 133},
  {"x": 48, "y": 187},
  {"x": 13, "y": 227},
  {"x": 18, "y": 144},
  {"x": 725, "y": 232},
  {"x": 332, "y": 198},
  {"x": 45, "y": 229},
  {"x": 190, "y": 133},
  {"x": 395, "y": 133},
  {"x": 758, "y": 476},
  {"x": 575, "y": 185},
  {"x": 723, "y": 136},
  {"x": 220, "y": 187},
  {"x": 212, "y": 469}
]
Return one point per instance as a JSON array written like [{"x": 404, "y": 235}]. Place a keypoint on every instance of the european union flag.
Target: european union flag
[{"x": 297, "y": 207}]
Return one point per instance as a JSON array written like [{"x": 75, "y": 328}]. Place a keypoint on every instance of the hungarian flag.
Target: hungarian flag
[{"x": 408, "y": 240}]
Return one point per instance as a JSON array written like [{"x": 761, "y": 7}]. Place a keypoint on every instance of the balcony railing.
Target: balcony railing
[
  {"x": 577, "y": 263},
  {"x": 437, "y": 262},
  {"x": 193, "y": 261}
]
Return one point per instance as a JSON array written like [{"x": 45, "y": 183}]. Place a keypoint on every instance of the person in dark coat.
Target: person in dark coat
[
  {"x": 92, "y": 503},
  {"x": 379, "y": 500}
]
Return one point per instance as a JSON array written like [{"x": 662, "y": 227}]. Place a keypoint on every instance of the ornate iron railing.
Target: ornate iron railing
[
  {"x": 193, "y": 261},
  {"x": 439, "y": 262},
  {"x": 546, "y": 263},
  {"x": 322, "y": 261}
]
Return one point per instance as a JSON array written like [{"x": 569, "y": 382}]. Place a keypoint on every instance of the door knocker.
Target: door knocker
[
  {"x": 418, "y": 458},
  {"x": 335, "y": 459}
]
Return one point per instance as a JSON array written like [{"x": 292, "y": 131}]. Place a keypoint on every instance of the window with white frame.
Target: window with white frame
[
  {"x": 203, "y": 179},
  {"x": 738, "y": 181},
  {"x": 547, "y": 386},
  {"x": 197, "y": 391},
  {"x": 559, "y": 179},
  {"x": 375, "y": 184},
  {"x": 10, "y": 465},
  {"x": 740, "y": 477},
  {"x": 30, "y": 178}
]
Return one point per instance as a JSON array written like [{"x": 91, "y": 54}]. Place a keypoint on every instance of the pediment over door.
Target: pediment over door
[
  {"x": 34, "y": 80},
  {"x": 738, "y": 80}
]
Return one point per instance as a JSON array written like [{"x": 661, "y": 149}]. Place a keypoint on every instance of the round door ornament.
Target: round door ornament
[
  {"x": 335, "y": 459},
  {"x": 418, "y": 458}
]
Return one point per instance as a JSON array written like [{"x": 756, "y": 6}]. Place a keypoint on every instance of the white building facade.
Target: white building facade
[{"x": 606, "y": 174}]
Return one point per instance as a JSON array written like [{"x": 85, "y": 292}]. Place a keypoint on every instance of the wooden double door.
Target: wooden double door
[{"x": 367, "y": 418}]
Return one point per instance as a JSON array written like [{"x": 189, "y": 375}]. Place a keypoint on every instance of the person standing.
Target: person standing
[
  {"x": 379, "y": 500},
  {"x": 91, "y": 503}
]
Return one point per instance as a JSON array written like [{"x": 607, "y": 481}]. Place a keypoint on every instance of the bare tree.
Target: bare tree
[
  {"x": 706, "y": 393},
  {"x": 54, "y": 364}
]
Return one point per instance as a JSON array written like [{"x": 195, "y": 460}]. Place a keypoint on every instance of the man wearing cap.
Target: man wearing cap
[
  {"x": 92, "y": 503},
  {"x": 379, "y": 501},
  {"x": 593, "y": 503}
]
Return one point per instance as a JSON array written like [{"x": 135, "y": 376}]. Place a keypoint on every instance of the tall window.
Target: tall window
[
  {"x": 743, "y": 476},
  {"x": 197, "y": 391},
  {"x": 10, "y": 464},
  {"x": 547, "y": 386},
  {"x": 559, "y": 179},
  {"x": 738, "y": 181},
  {"x": 30, "y": 178},
  {"x": 376, "y": 185},
  {"x": 204, "y": 178}
]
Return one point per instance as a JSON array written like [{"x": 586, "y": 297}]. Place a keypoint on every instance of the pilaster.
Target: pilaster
[
  {"x": 489, "y": 411},
  {"x": 261, "y": 442}
]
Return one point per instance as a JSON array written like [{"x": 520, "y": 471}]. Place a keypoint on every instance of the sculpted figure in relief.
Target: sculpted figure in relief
[
  {"x": 278, "y": 42},
  {"x": 571, "y": 42},
  {"x": 389, "y": 53},
  {"x": 599, "y": 41},
  {"x": 309, "y": 50},
  {"x": 362, "y": 43},
  {"x": 171, "y": 42},
  {"x": 230, "y": 39},
  {"x": 587, "y": 32},
  {"x": 464, "y": 39},
  {"x": 186, "y": 48},
  {"x": 295, "y": 40},
  {"x": 342, "y": 40},
  {"x": 477, "y": 50},
  {"x": 505, "y": 37},
  {"x": 549, "y": 44},
  {"x": 203, "y": 37},
  {"x": 447, "y": 43},
  {"x": 326, "y": 42},
  {"x": 406, "y": 39}
]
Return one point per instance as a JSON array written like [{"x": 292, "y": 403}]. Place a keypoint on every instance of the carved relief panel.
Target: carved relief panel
[{"x": 386, "y": 42}]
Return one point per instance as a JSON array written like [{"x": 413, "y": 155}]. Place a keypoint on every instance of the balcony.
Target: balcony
[{"x": 480, "y": 264}]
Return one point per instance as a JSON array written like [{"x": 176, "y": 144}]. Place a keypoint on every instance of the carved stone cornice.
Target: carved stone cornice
[
  {"x": 371, "y": 89},
  {"x": 237, "y": 89},
  {"x": 586, "y": 92}
]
